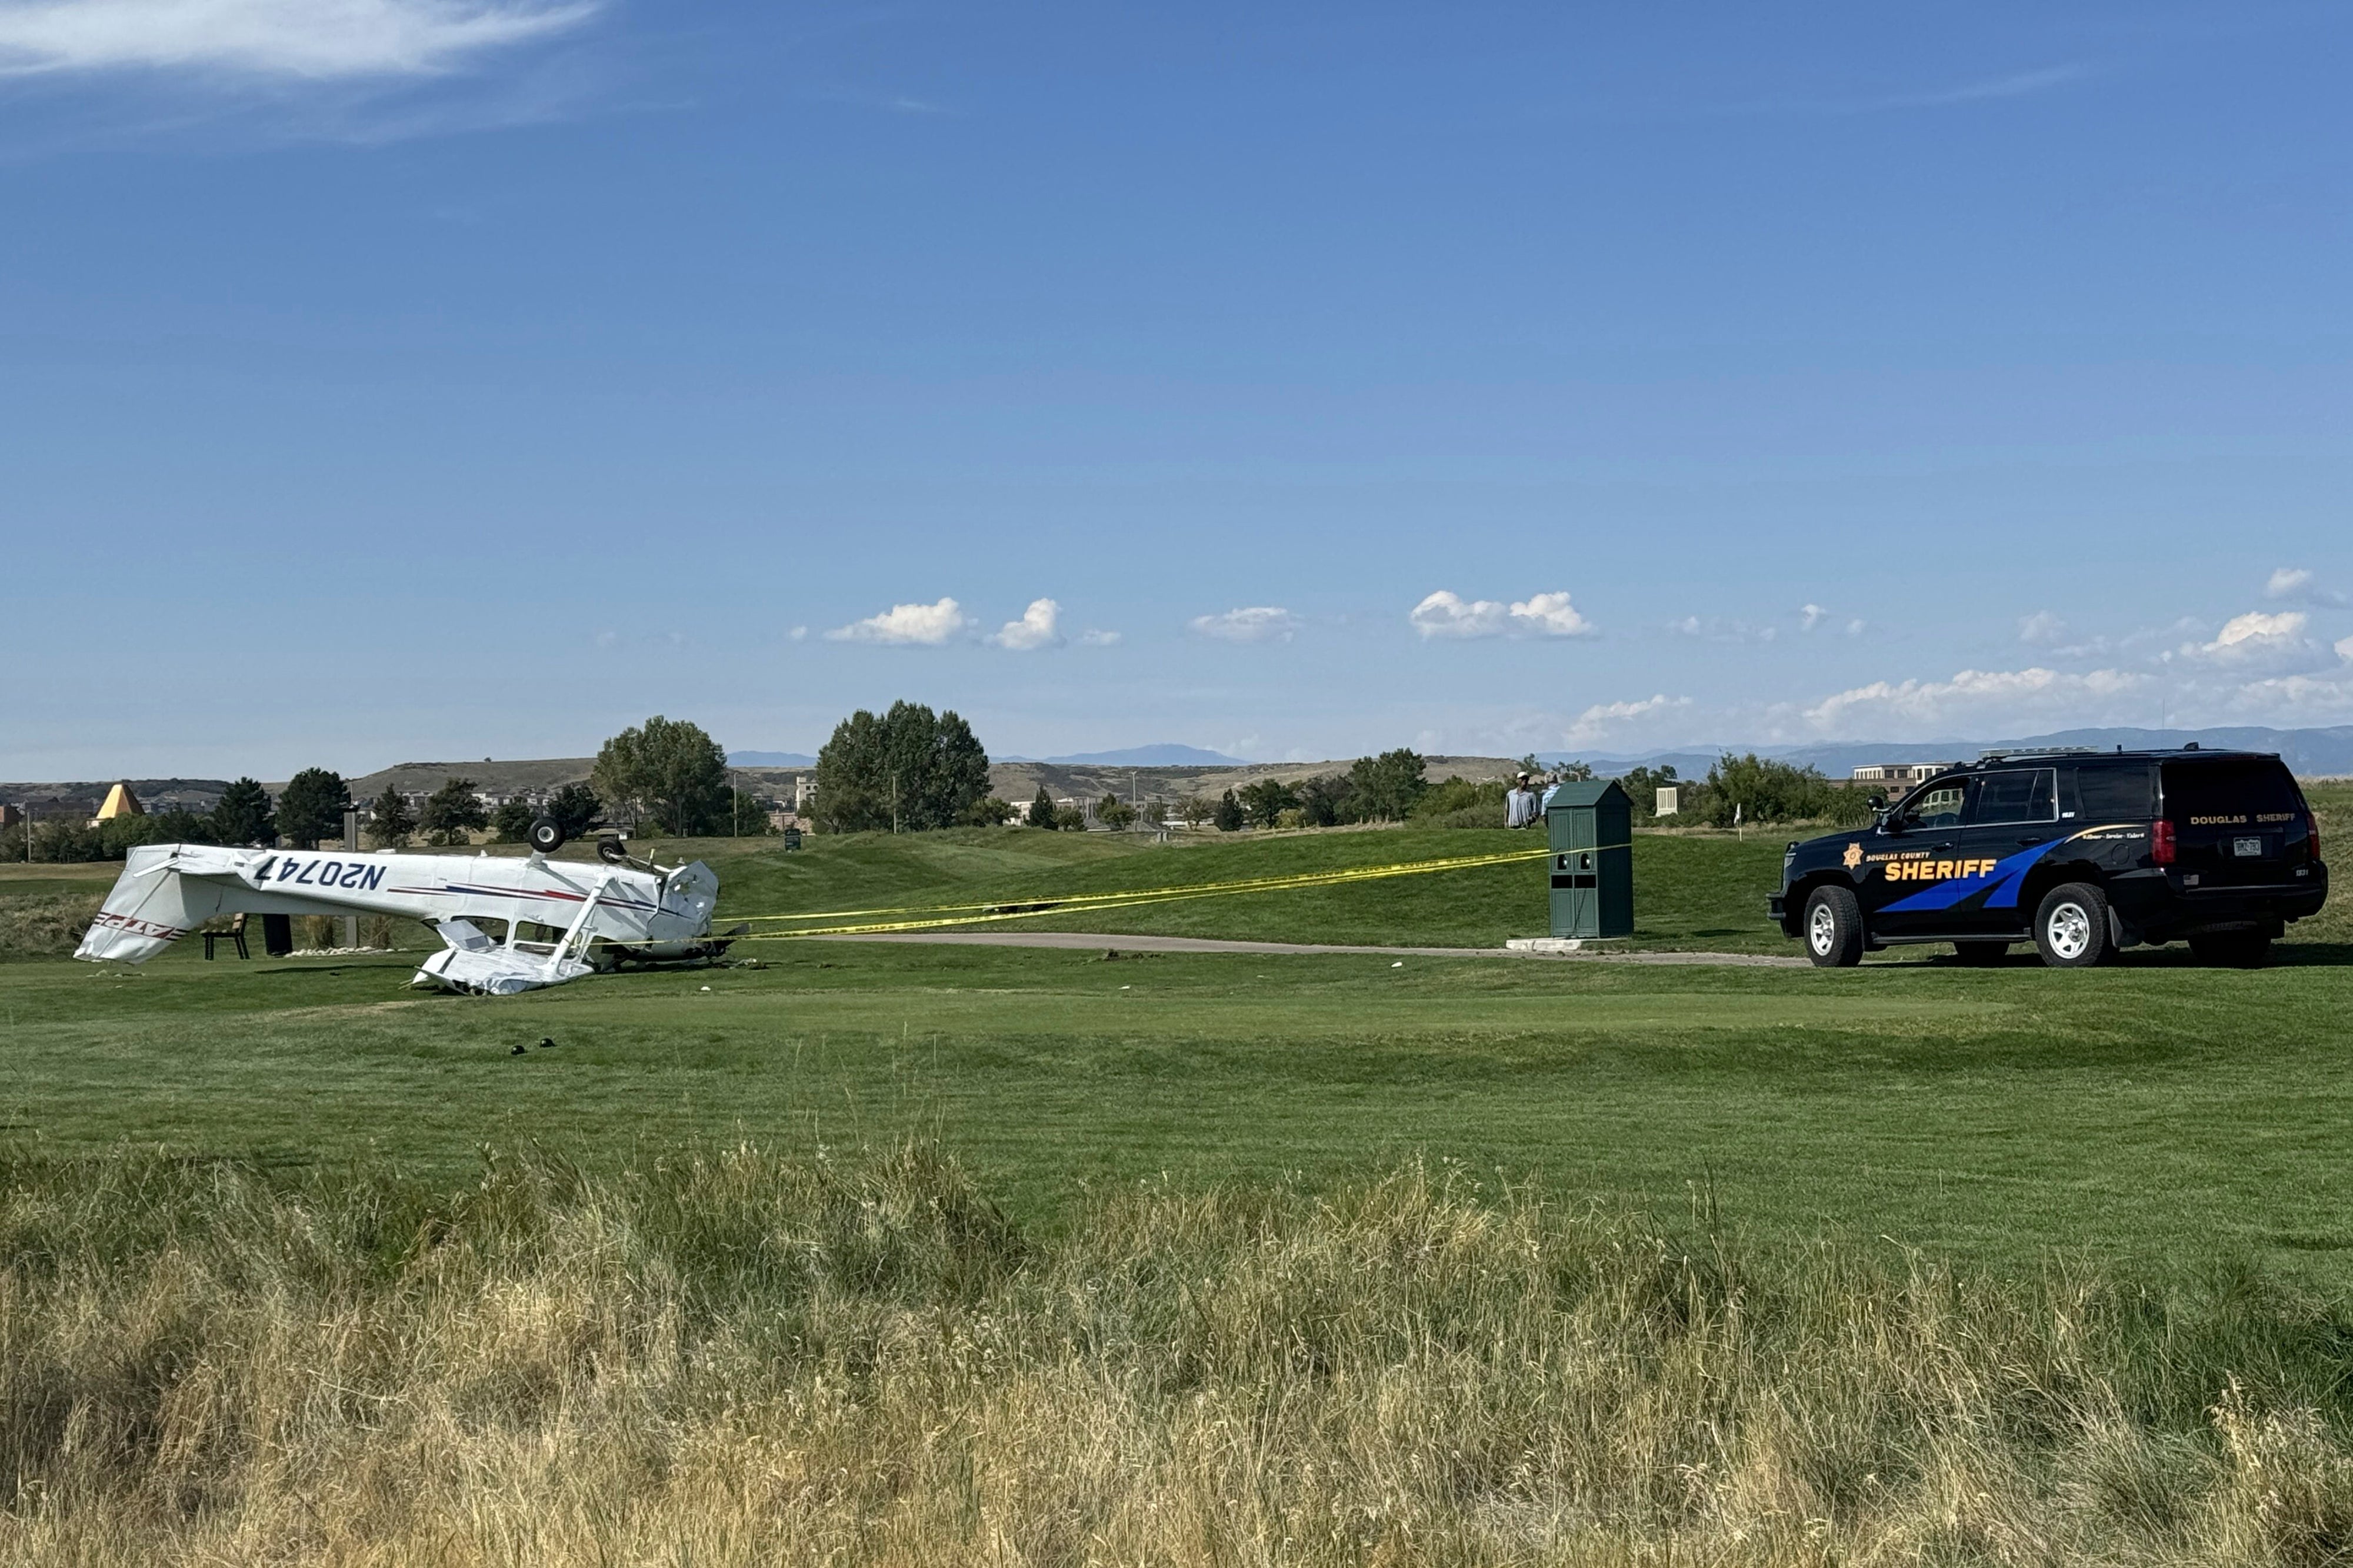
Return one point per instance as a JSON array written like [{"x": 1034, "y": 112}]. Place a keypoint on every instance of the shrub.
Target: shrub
[
  {"x": 47, "y": 926},
  {"x": 1763, "y": 790}
]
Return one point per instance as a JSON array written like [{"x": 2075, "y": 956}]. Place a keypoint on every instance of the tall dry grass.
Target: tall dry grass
[
  {"x": 734, "y": 1358},
  {"x": 47, "y": 925}
]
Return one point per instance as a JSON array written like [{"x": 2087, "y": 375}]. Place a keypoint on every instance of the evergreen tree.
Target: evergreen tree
[
  {"x": 512, "y": 821},
  {"x": 1229, "y": 814},
  {"x": 1041, "y": 810},
  {"x": 242, "y": 815},
  {"x": 575, "y": 808},
  {"x": 451, "y": 813},
  {"x": 389, "y": 823},
  {"x": 310, "y": 807},
  {"x": 1268, "y": 799}
]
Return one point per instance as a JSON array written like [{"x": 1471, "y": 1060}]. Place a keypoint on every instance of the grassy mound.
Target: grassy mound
[
  {"x": 727, "y": 1357},
  {"x": 37, "y": 923}
]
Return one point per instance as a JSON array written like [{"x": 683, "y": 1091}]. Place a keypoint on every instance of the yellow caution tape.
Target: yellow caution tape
[{"x": 936, "y": 917}]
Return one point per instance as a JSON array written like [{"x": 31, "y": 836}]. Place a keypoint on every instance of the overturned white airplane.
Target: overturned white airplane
[{"x": 620, "y": 909}]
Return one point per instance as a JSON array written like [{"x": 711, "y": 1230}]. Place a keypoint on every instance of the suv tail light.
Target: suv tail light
[
  {"x": 2312, "y": 836},
  {"x": 2160, "y": 842}
]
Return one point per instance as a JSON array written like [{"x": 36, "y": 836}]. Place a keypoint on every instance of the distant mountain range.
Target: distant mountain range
[
  {"x": 1165, "y": 755},
  {"x": 2314, "y": 754}
]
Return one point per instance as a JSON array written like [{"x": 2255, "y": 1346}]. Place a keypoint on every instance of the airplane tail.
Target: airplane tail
[{"x": 146, "y": 912}]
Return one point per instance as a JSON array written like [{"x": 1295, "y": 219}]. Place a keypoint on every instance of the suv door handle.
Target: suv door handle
[{"x": 2031, "y": 841}]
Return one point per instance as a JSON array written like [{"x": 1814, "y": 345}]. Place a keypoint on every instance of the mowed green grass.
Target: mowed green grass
[{"x": 2158, "y": 1113}]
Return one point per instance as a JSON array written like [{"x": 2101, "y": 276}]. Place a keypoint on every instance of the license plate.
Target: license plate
[{"x": 2246, "y": 847}]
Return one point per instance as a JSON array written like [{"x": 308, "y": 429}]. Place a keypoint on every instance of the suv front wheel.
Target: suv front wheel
[
  {"x": 1833, "y": 928},
  {"x": 2070, "y": 926}
]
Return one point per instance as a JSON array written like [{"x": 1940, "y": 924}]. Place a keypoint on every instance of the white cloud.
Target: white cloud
[
  {"x": 926, "y": 624},
  {"x": 2273, "y": 641},
  {"x": 1445, "y": 614},
  {"x": 1449, "y": 615},
  {"x": 1259, "y": 623},
  {"x": 1035, "y": 629},
  {"x": 1811, "y": 615},
  {"x": 798, "y": 634},
  {"x": 2297, "y": 583},
  {"x": 1552, "y": 615},
  {"x": 2345, "y": 649},
  {"x": 2041, "y": 629},
  {"x": 1093, "y": 638},
  {"x": 305, "y": 38},
  {"x": 1595, "y": 721},
  {"x": 1996, "y": 695}
]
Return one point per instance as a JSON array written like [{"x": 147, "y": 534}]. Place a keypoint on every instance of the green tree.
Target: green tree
[
  {"x": 1195, "y": 810},
  {"x": 181, "y": 825},
  {"x": 1227, "y": 815},
  {"x": 451, "y": 813},
  {"x": 1326, "y": 801},
  {"x": 1041, "y": 810},
  {"x": 988, "y": 811},
  {"x": 576, "y": 809},
  {"x": 910, "y": 771},
  {"x": 389, "y": 822},
  {"x": 1386, "y": 789},
  {"x": 1642, "y": 783},
  {"x": 511, "y": 823},
  {"x": 1759, "y": 789},
  {"x": 1267, "y": 799},
  {"x": 1113, "y": 812},
  {"x": 744, "y": 815},
  {"x": 310, "y": 807},
  {"x": 665, "y": 770},
  {"x": 241, "y": 816}
]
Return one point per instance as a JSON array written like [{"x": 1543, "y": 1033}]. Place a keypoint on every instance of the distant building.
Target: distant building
[
  {"x": 12, "y": 817},
  {"x": 1670, "y": 801},
  {"x": 1898, "y": 773},
  {"x": 119, "y": 802}
]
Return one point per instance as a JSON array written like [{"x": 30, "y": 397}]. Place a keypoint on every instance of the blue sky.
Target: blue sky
[{"x": 391, "y": 379}]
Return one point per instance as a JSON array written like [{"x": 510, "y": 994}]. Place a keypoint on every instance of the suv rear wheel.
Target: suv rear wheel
[
  {"x": 2231, "y": 948},
  {"x": 1833, "y": 928},
  {"x": 2070, "y": 926}
]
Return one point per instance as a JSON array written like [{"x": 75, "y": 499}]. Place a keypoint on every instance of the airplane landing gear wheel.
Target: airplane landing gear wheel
[
  {"x": 1833, "y": 929},
  {"x": 546, "y": 835},
  {"x": 612, "y": 851}
]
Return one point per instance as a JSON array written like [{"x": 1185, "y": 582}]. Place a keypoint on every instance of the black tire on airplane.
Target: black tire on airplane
[{"x": 546, "y": 835}]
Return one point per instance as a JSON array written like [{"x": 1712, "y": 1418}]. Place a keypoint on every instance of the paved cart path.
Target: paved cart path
[{"x": 1068, "y": 938}]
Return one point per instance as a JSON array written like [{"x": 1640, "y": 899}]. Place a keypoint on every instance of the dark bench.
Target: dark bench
[{"x": 235, "y": 935}]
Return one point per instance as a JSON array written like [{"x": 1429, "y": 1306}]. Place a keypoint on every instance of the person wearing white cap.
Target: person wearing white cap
[{"x": 1520, "y": 804}]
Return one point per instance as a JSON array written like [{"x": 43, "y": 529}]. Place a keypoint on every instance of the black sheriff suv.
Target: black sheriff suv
[{"x": 2080, "y": 852}]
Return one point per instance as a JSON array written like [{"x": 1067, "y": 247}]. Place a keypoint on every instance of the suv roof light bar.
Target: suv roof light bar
[{"x": 1997, "y": 755}]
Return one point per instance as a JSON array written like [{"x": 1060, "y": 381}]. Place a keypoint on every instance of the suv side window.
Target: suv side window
[
  {"x": 1939, "y": 804},
  {"x": 2119, "y": 793},
  {"x": 2016, "y": 795}
]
